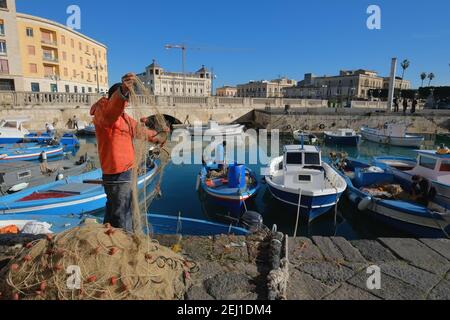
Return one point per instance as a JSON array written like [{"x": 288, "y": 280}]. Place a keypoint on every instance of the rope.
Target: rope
[{"x": 298, "y": 211}]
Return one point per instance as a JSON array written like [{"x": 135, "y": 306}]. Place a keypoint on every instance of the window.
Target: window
[
  {"x": 74, "y": 73},
  {"x": 81, "y": 60},
  {"x": 64, "y": 54},
  {"x": 80, "y": 46},
  {"x": 2, "y": 27},
  {"x": 33, "y": 68},
  {"x": 72, "y": 43},
  {"x": 427, "y": 162},
  {"x": 67, "y": 87},
  {"x": 30, "y": 32},
  {"x": 49, "y": 71},
  {"x": 35, "y": 87},
  {"x": 66, "y": 72},
  {"x": 445, "y": 166},
  {"x": 90, "y": 90},
  {"x": 312, "y": 158},
  {"x": 63, "y": 40},
  {"x": 32, "y": 50},
  {"x": 75, "y": 89},
  {"x": 294, "y": 158},
  {"x": 73, "y": 58},
  {"x": 304, "y": 178},
  {"x": 3, "y": 4},
  {"x": 2, "y": 47},
  {"x": 83, "y": 90},
  {"x": 4, "y": 66},
  {"x": 53, "y": 87}
]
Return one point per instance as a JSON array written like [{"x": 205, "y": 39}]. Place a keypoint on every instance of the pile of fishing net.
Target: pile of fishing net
[{"x": 96, "y": 262}]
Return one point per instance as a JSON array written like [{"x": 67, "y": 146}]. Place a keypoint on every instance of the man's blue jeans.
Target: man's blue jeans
[{"x": 118, "y": 204}]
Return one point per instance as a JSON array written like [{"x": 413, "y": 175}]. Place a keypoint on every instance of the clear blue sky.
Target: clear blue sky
[{"x": 259, "y": 39}]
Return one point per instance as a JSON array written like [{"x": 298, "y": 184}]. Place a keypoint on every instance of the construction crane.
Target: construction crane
[{"x": 184, "y": 49}]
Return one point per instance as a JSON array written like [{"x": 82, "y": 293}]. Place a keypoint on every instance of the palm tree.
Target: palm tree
[
  {"x": 431, "y": 76},
  {"x": 423, "y": 76},
  {"x": 405, "y": 65}
]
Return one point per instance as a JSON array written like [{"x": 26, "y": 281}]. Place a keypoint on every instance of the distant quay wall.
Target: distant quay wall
[{"x": 270, "y": 113}]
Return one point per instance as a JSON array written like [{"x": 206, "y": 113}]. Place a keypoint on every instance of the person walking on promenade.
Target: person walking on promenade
[
  {"x": 115, "y": 131},
  {"x": 414, "y": 106},
  {"x": 405, "y": 105},
  {"x": 395, "y": 104}
]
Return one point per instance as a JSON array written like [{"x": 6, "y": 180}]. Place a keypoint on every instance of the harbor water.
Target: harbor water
[{"x": 179, "y": 196}]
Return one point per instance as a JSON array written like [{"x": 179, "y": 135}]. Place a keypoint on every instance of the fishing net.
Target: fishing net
[
  {"x": 96, "y": 262},
  {"x": 113, "y": 265}
]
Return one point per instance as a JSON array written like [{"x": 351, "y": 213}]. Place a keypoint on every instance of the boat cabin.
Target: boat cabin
[
  {"x": 432, "y": 165},
  {"x": 14, "y": 125},
  {"x": 394, "y": 130},
  {"x": 344, "y": 133},
  {"x": 302, "y": 165}
]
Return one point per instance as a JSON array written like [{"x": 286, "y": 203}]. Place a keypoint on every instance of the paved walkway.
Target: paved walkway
[
  {"x": 334, "y": 268},
  {"x": 234, "y": 267}
]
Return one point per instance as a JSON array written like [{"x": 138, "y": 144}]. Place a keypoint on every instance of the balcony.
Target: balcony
[
  {"x": 49, "y": 42},
  {"x": 51, "y": 59}
]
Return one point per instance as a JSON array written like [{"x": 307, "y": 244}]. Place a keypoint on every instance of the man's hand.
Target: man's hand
[{"x": 128, "y": 81}]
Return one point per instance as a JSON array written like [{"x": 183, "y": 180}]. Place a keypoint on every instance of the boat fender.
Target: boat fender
[
  {"x": 43, "y": 156},
  {"x": 59, "y": 177},
  {"x": 197, "y": 185},
  {"x": 252, "y": 220},
  {"x": 322, "y": 126},
  {"x": 18, "y": 187},
  {"x": 363, "y": 205}
]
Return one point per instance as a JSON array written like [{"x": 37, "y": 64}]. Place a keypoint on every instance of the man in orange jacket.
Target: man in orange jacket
[{"x": 115, "y": 131}]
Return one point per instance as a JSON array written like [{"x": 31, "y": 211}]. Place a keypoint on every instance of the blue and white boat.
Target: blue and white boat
[
  {"x": 393, "y": 134},
  {"x": 12, "y": 129},
  {"x": 67, "y": 140},
  {"x": 68, "y": 196},
  {"x": 405, "y": 215},
  {"x": 346, "y": 137},
  {"x": 301, "y": 179},
  {"x": 159, "y": 224},
  {"x": 429, "y": 164},
  {"x": 30, "y": 152},
  {"x": 231, "y": 191}
]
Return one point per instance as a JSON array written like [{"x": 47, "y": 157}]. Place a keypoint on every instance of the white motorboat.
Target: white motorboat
[
  {"x": 392, "y": 134},
  {"x": 300, "y": 178},
  {"x": 213, "y": 128}
]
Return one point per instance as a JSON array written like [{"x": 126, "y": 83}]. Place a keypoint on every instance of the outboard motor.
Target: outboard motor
[
  {"x": 252, "y": 220},
  {"x": 43, "y": 156},
  {"x": 59, "y": 177}
]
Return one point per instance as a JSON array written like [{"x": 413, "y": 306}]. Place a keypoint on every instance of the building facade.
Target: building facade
[
  {"x": 163, "y": 83},
  {"x": 349, "y": 84},
  {"x": 45, "y": 56},
  {"x": 265, "y": 89},
  {"x": 226, "y": 91}
]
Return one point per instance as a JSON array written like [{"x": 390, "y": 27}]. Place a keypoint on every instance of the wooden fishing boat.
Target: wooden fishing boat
[
  {"x": 68, "y": 196},
  {"x": 230, "y": 190},
  {"x": 159, "y": 224},
  {"x": 30, "y": 152},
  {"x": 392, "y": 134},
  {"x": 400, "y": 213},
  {"x": 17, "y": 176},
  {"x": 305, "y": 137}
]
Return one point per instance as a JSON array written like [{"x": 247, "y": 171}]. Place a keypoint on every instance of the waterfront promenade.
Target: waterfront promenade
[
  {"x": 267, "y": 113},
  {"x": 320, "y": 268}
]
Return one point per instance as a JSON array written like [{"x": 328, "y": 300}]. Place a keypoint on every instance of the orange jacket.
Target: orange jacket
[{"x": 115, "y": 131}]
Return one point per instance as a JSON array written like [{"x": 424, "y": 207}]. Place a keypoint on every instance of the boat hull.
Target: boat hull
[
  {"x": 31, "y": 154},
  {"x": 407, "y": 141},
  {"x": 407, "y": 217},
  {"x": 340, "y": 140},
  {"x": 311, "y": 208},
  {"x": 79, "y": 204}
]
